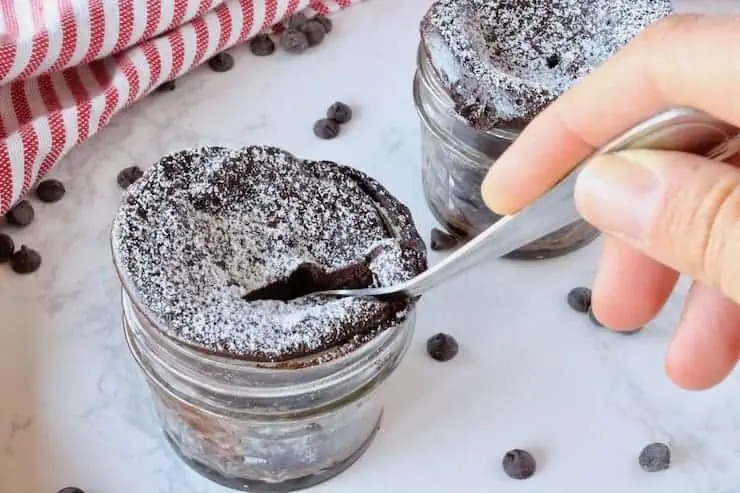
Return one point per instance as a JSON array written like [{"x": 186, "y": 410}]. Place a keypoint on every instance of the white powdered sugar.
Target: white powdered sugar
[
  {"x": 505, "y": 60},
  {"x": 204, "y": 227}
]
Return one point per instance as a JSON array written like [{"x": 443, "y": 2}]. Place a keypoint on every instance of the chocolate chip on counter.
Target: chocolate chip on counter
[
  {"x": 223, "y": 62},
  {"x": 168, "y": 86},
  {"x": 655, "y": 457},
  {"x": 592, "y": 317},
  {"x": 326, "y": 129},
  {"x": 325, "y": 22},
  {"x": 50, "y": 191},
  {"x": 25, "y": 260},
  {"x": 21, "y": 215},
  {"x": 339, "y": 112},
  {"x": 296, "y": 20},
  {"x": 579, "y": 299},
  {"x": 441, "y": 240},
  {"x": 519, "y": 464},
  {"x": 442, "y": 347},
  {"x": 294, "y": 41},
  {"x": 262, "y": 45},
  {"x": 7, "y": 248},
  {"x": 70, "y": 489},
  {"x": 314, "y": 32},
  {"x": 129, "y": 176}
]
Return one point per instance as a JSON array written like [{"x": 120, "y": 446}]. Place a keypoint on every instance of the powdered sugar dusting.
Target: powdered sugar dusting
[
  {"x": 203, "y": 227},
  {"x": 505, "y": 60}
]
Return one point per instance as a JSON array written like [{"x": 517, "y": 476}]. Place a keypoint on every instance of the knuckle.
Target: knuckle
[{"x": 705, "y": 233}]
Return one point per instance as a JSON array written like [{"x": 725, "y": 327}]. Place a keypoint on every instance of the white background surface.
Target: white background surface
[{"x": 530, "y": 374}]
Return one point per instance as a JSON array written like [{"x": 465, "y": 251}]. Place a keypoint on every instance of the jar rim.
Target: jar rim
[
  {"x": 431, "y": 79},
  {"x": 325, "y": 359}
]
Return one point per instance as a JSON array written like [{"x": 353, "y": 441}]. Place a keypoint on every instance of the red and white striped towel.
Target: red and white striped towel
[{"x": 68, "y": 66}]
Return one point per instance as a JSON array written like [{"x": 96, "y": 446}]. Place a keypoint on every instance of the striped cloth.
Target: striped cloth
[{"x": 68, "y": 66}]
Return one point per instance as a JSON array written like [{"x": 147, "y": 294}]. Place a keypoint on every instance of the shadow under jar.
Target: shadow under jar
[
  {"x": 265, "y": 427},
  {"x": 455, "y": 160}
]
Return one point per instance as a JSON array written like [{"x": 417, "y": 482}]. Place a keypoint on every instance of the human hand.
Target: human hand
[{"x": 664, "y": 213}]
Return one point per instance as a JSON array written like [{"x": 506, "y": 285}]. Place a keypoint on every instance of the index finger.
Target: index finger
[{"x": 683, "y": 60}]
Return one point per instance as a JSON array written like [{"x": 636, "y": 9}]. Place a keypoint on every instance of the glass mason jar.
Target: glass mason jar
[
  {"x": 265, "y": 427},
  {"x": 455, "y": 160}
]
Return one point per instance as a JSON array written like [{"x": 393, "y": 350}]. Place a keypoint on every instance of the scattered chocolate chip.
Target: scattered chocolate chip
[
  {"x": 294, "y": 41},
  {"x": 579, "y": 299},
  {"x": 314, "y": 32},
  {"x": 655, "y": 457},
  {"x": 70, "y": 489},
  {"x": 262, "y": 45},
  {"x": 167, "y": 86},
  {"x": 553, "y": 60},
  {"x": 7, "y": 247},
  {"x": 339, "y": 112},
  {"x": 441, "y": 240},
  {"x": 295, "y": 20},
  {"x": 129, "y": 176},
  {"x": 324, "y": 21},
  {"x": 25, "y": 260},
  {"x": 326, "y": 129},
  {"x": 592, "y": 316},
  {"x": 223, "y": 62},
  {"x": 442, "y": 347},
  {"x": 50, "y": 191},
  {"x": 21, "y": 215},
  {"x": 519, "y": 464}
]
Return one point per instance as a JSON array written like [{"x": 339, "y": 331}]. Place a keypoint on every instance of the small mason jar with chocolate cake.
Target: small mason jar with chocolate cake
[
  {"x": 259, "y": 384},
  {"x": 485, "y": 69}
]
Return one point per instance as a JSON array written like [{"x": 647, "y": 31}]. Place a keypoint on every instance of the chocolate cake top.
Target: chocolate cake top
[
  {"x": 503, "y": 61},
  {"x": 205, "y": 229}
]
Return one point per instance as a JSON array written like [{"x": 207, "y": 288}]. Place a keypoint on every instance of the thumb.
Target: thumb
[{"x": 681, "y": 209}]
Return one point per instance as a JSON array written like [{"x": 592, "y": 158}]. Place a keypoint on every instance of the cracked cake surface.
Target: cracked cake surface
[
  {"x": 503, "y": 61},
  {"x": 205, "y": 228}
]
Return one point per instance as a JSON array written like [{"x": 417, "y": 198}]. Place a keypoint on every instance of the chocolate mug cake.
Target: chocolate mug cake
[
  {"x": 258, "y": 383},
  {"x": 486, "y": 68}
]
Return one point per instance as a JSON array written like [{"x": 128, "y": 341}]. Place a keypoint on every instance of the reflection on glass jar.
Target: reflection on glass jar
[
  {"x": 455, "y": 160},
  {"x": 266, "y": 427}
]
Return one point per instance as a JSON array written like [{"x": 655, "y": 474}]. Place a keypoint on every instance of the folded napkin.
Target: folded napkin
[{"x": 68, "y": 66}]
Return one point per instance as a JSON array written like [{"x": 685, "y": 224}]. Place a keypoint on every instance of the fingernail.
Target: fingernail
[{"x": 619, "y": 193}]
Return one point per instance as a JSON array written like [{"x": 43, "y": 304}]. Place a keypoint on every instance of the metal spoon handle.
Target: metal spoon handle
[{"x": 679, "y": 129}]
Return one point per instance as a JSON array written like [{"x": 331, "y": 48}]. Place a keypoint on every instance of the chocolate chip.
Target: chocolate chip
[
  {"x": 325, "y": 22},
  {"x": 167, "y": 86},
  {"x": 314, "y": 32},
  {"x": 25, "y": 260},
  {"x": 519, "y": 464},
  {"x": 7, "y": 247},
  {"x": 655, "y": 457},
  {"x": 553, "y": 60},
  {"x": 441, "y": 240},
  {"x": 50, "y": 191},
  {"x": 579, "y": 299},
  {"x": 294, "y": 41},
  {"x": 326, "y": 129},
  {"x": 21, "y": 215},
  {"x": 592, "y": 317},
  {"x": 70, "y": 489},
  {"x": 223, "y": 62},
  {"x": 296, "y": 20},
  {"x": 129, "y": 176},
  {"x": 262, "y": 45},
  {"x": 339, "y": 112},
  {"x": 442, "y": 347}
]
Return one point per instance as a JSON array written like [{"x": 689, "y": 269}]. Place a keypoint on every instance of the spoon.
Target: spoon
[{"x": 679, "y": 129}]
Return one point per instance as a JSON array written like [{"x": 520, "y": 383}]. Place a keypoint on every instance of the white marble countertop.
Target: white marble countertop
[{"x": 531, "y": 373}]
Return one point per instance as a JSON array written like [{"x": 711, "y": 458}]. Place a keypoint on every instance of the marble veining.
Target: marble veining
[{"x": 530, "y": 373}]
